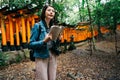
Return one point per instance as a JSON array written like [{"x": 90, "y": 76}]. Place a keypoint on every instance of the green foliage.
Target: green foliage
[
  {"x": 17, "y": 3},
  {"x": 59, "y": 7},
  {"x": 108, "y": 14},
  {"x": 3, "y": 59},
  {"x": 18, "y": 58}
]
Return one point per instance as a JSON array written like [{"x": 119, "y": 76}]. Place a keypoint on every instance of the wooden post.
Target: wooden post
[
  {"x": 11, "y": 33},
  {"x": 28, "y": 30},
  {"x": 4, "y": 42},
  {"x": 7, "y": 31},
  {"x": 65, "y": 35},
  {"x": 23, "y": 29},
  {"x": 17, "y": 34}
]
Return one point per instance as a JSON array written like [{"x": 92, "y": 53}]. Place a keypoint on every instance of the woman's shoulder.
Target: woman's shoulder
[
  {"x": 36, "y": 25},
  {"x": 41, "y": 23}
]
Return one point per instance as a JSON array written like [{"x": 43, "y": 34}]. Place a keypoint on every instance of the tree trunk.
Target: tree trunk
[{"x": 91, "y": 41}]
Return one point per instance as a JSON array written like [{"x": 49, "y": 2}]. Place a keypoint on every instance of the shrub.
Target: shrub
[{"x": 3, "y": 59}]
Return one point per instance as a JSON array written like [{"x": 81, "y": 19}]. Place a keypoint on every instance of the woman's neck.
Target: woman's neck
[{"x": 47, "y": 22}]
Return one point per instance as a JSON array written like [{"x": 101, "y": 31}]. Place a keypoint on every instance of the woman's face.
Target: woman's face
[{"x": 49, "y": 13}]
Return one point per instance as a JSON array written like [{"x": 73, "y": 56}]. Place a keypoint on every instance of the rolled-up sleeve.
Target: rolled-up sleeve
[{"x": 34, "y": 43}]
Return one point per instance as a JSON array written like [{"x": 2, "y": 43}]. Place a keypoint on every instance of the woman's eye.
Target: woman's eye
[
  {"x": 51, "y": 10},
  {"x": 48, "y": 9}
]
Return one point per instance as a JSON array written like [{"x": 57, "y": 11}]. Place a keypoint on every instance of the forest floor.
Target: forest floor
[{"x": 77, "y": 64}]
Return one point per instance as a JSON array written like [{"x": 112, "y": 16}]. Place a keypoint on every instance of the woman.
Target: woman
[{"x": 45, "y": 58}]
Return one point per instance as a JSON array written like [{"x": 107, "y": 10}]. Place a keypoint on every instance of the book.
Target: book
[{"x": 55, "y": 31}]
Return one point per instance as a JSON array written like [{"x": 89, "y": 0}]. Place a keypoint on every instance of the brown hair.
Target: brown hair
[{"x": 43, "y": 14}]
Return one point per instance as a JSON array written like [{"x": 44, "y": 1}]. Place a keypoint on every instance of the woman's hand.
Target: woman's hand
[{"x": 47, "y": 38}]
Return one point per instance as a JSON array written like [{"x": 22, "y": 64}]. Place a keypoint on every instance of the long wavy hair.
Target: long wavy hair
[{"x": 42, "y": 17}]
